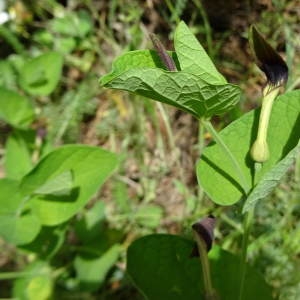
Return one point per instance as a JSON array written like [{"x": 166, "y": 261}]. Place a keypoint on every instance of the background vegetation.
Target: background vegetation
[{"x": 155, "y": 188}]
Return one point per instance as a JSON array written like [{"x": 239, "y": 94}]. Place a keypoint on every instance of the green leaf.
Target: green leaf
[
  {"x": 215, "y": 171},
  {"x": 134, "y": 60},
  {"x": 162, "y": 268},
  {"x": 37, "y": 284},
  {"x": 270, "y": 180},
  {"x": 61, "y": 185},
  {"x": 90, "y": 167},
  {"x": 41, "y": 75},
  {"x": 180, "y": 89},
  {"x": 92, "y": 271},
  {"x": 18, "y": 151},
  {"x": 15, "y": 109},
  {"x": 193, "y": 58},
  {"x": 16, "y": 227}
]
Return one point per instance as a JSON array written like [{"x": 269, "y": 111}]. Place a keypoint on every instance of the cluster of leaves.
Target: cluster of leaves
[
  {"x": 196, "y": 87},
  {"x": 45, "y": 190},
  {"x": 45, "y": 187}
]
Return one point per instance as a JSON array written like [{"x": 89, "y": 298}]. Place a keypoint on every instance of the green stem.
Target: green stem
[
  {"x": 13, "y": 275},
  {"x": 200, "y": 149},
  {"x": 207, "y": 124},
  {"x": 248, "y": 220},
  {"x": 210, "y": 293}
]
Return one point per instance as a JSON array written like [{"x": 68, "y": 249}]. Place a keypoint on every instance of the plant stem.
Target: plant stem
[
  {"x": 247, "y": 224},
  {"x": 13, "y": 275},
  {"x": 208, "y": 287},
  {"x": 207, "y": 124}
]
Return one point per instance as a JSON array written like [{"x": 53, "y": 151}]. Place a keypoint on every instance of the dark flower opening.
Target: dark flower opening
[{"x": 268, "y": 60}]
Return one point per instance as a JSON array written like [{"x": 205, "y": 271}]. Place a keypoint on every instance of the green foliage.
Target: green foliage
[
  {"x": 40, "y": 75},
  {"x": 267, "y": 184},
  {"x": 196, "y": 88},
  {"x": 215, "y": 167},
  {"x": 52, "y": 192},
  {"x": 55, "y": 242},
  {"x": 15, "y": 109},
  {"x": 89, "y": 166},
  {"x": 162, "y": 268},
  {"x": 193, "y": 58}
]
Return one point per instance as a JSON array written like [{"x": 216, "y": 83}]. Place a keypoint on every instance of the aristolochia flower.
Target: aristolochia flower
[{"x": 276, "y": 71}]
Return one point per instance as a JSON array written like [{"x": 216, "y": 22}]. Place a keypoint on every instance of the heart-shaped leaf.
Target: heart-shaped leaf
[
  {"x": 162, "y": 268},
  {"x": 197, "y": 87},
  {"x": 215, "y": 171},
  {"x": 90, "y": 166}
]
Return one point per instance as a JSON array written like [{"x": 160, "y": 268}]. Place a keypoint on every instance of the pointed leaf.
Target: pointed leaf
[
  {"x": 90, "y": 167},
  {"x": 270, "y": 180},
  {"x": 193, "y": 58},
  {"x": 215, "y": 172}
]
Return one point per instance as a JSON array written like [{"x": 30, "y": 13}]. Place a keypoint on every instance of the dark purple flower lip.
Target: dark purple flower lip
[{"x": 268, "y": 60}]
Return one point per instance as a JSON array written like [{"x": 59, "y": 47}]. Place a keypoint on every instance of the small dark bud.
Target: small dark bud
[
  {"x": 268, "y": 60},
  {"x": 205, "y": 229},
  {"x": 162, "y": 53}
]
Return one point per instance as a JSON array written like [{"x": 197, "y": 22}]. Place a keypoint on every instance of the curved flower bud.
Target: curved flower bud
[{"x": 162, "y": 53}]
